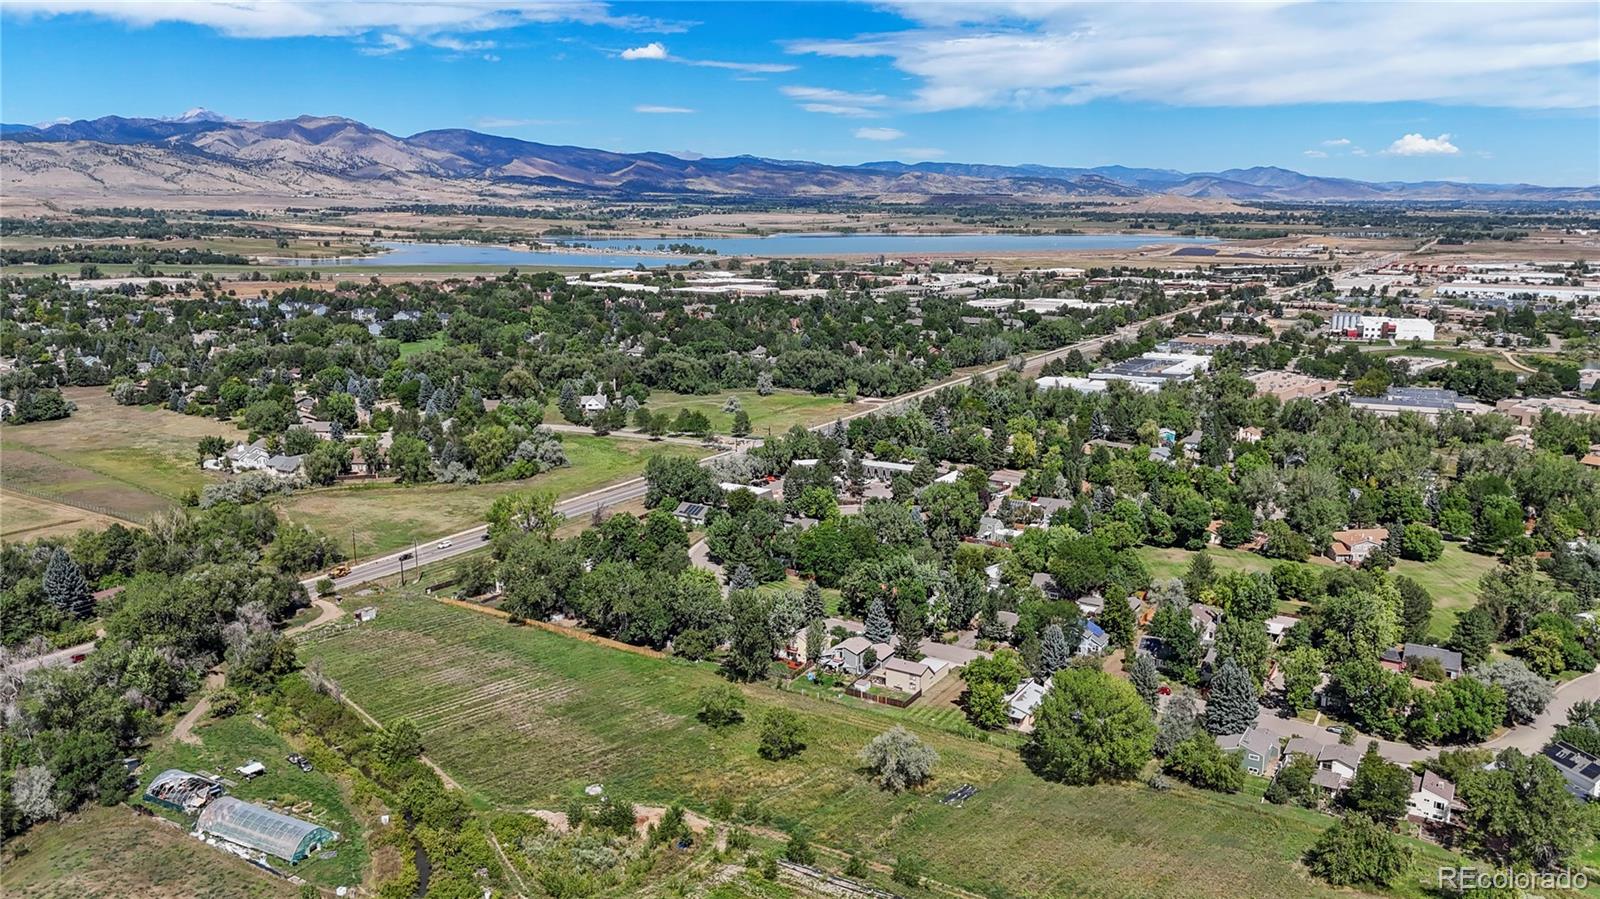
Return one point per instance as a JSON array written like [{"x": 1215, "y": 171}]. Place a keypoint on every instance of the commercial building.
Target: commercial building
[
  {"x": 1066, "y": 382},
  {"x": 1354, "y": 325},
  {"x": 1429, "y": 402},
  {"x": 1290, "y": 385},
  {"x": 1150, "y": 371},
  {"x": 1526, "y": 410}
]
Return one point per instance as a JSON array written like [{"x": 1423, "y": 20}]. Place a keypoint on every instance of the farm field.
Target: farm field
[
  {"x": 29, "y": 518},
  {"x": 780, "y": 411},
  {"x": 525, "y": 718},
  {"x": 125, "y": 461},
  {"x": 385, "y": 517},
  {"x": 115, "y": 853},
  {"x": 227, "y": 743}
]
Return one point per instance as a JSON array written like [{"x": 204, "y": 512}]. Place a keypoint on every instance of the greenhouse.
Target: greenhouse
[
  {"x": 262, "y": 829},
  {"x": 182, "y": 791}
]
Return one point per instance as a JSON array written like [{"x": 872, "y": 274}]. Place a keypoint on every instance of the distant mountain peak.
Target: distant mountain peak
[{"x": 202, "y": 114}]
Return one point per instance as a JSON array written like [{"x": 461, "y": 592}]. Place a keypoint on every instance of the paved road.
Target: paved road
[
  {"x": 1531, "y": 737},
  {"x": 56, "y": 658}
]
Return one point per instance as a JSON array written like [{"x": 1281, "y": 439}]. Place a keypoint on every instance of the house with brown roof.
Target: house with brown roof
[
  {"x": 1432, "y": 799},
  {"x": 1352, "y": 547}
]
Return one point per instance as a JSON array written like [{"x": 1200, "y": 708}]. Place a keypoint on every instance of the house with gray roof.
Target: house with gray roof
[
  {"x": 1581, "y": 769},
  {"x": 1257, "y": 748}
]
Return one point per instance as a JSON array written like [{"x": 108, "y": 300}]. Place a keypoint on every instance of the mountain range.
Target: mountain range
[{"x": 202, "y": 153}]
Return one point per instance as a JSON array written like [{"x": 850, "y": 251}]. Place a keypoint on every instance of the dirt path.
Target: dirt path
[
  {"x": 1513, "y": 361},
  {"x": 331, "y": 612},
  {"x": 184, "y": 732}
]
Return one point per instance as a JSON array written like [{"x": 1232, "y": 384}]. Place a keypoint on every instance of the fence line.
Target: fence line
[{"x": 95, "y": 508}]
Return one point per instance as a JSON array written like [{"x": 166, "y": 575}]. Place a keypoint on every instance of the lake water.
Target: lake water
[{"x": 626, "y": 252}]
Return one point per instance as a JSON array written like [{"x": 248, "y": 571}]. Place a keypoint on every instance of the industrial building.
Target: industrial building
[
  {"x": 1354, "y": 325},
  {"x": 1429, "y": 402},
  {"x": 262, "y": 829},
  {"x": 1150, "y": 371}
]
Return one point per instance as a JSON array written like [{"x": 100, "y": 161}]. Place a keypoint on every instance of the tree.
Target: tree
[
  {"x": 1198, "y": 761},
  {"x": 1421, "y": 543},
  {"x": 1474, "y": 633},
  {"x": 1521, "y": 814},
  {"x": 1117, "y": 620},
  {"x": 1416, "y": 614},
  {"x": 1091, "y": 727},
  {"x": 1200, "y": 574},
  {"x": 1179, "y": 721},
  {"x": 64, "y": 584},
  {"x": 1357, "y": 851},
  {"x": 899, "y": 759},
  {"x": 1380, "y": 788},
  {"x": 1302, "y": 672},
  {"x": 1527, "y": 694},
  {"x": 816, "y": 641},
  {"x": 741, "y": 424},
  {"x": 1054, "y": 653},
  {"x": 750, "y": 641},
  {"x": 410, "y": 460},
  {"x": 879, "y": 628},
  {"x": 1232, "y": 707},
  {"x": 1146, "y": 679},
  {"x": 721, "y": 706},
  {"x": 1464, "y": 710},
  {"x": 1293, "y": 782},
  {"x": 1374, "y": 697},
  {"x": 782, "y": 735},
  {"x": 400, "y": 742}
]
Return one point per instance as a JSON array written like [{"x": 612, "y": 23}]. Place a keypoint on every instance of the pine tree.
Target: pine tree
[
  {"x": 64, "y": 584},
  {"x": 1146, "y": 679},
  {"x": 1054, "y": 653},
  {"x": 1232, "y": 707},
  {"x": 741, "y": 424},
  {"x": 743, "y": 579},
  {"x": 879, "y": 628},
  {"x": 811, "y": 601}
]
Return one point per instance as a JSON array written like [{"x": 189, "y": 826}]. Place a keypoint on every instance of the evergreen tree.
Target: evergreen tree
[
  {"x": 1179, "y": 721},
  {"x": 1145, "y": 678},
  {"x": 879, "y": 628},
  {"x": 743, "y": 579},
  {"x": 66, "y": 587},
  {"x": 811, "y": 602},
  {"x": 1232, "y": 706},
  {"x": 741, "y": 424},
  {"x": 1202, "y": 572},
  {"x": 1054, "y": 653}
]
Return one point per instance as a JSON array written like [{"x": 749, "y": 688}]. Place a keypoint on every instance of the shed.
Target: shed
[{"x": 263, "y": 829}]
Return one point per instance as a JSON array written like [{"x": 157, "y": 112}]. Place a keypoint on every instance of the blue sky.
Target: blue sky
[{"x": 1390, "y": 91}]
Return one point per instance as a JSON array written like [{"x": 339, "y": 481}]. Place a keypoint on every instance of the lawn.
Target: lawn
[
  {"x": 525, "y": 718},
  {"x": 413, "y": 347},
  {"x": 126, "y": 461},
  {"x": 115, "y": 853},
  {"x": 1453, "y": 581},
  {"x": 229, "y": 742},
  {"x": 1168, "y": 562},
  {"x": 385, "y": 517},
  {"x": 780, "y": 411}
]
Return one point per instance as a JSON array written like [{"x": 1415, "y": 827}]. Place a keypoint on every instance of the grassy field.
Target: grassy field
[
  {"x": 227, "y": 743},
  {"x": 780, "y": 411},
  {"x": 1453, "y": 581},
  {"x": 128, "y": 461},
  {"x": 29, "y": 518},
  {"x": 413, "y": 347},
  {"x": 525, "y": 718},
  {"x": 386, "y": 517},
  {"x": 1166, "y": 561},
  {"x": 115, "y": 853},
  {"x": 1450, "y": 354}
]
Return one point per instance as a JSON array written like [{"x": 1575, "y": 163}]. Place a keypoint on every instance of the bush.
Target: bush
[
  {"x": 1358, "y": 851},
  {"x": 782, "y": 735},
  {"x": 899, "y": 759},
  {"x": 721, "y": 706},
  {"x": 907, "y": 870},
  {"x": 1199, "y": 762},
  {"x": 799, "y": 848}
]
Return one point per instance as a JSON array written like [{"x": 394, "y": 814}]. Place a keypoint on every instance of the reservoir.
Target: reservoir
[{"x": 628, "y": 252}]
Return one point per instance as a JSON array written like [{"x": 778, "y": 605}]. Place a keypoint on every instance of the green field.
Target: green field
[
  {"x": 227, "y": 743},
  {"x": 525, "y": 718},
  {"x": 1168, "y": 562},
  {"x": 413, "y": 347},
  {"x": 128, "y": 461},
  {"x": 386, "y": 517},
  {"x": 1453, "y": 581},
  {"x": 115, "y": 853},
  {"x": 780, "y": 411}
]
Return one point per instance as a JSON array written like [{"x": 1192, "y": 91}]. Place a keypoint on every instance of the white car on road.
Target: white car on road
[{"x": 444, "y": 544}]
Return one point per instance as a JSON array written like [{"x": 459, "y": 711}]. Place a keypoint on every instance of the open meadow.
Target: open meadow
[
  {"x": 125, "y": 461},
  {"x": 114, "y": 853},
  {"x": 385, "y": 516},
  {"x": 522, "y": 718},
  {"x": 778, "y": 411}
]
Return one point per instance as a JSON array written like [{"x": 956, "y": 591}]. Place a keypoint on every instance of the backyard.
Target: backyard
[
  {"x": 522, "y": 717},
  {"x": 383, "y": 517},
  {"x": 780, "y": 411}
]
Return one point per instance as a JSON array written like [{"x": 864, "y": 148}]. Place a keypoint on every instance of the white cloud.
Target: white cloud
[
  {"x": 1337, "y": 142},
  {"x": 658, "y": 51},
  {"x": 828, "y": 101},
  {"x": 1316, "y": 154},
  {"x": 652, "y": 50},
  {"x": 879, "y": 133},
  {"x": 422, "y": 21},
  {"x": 1032, "y": 54},
  {"x": 662, "y": 110},
  {"x": 1417, "y": 145},
  {"x": 1357, "y": 151}
]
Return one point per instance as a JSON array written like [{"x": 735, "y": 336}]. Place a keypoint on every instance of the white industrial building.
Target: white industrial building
[{"x": 1380, "y": 327}]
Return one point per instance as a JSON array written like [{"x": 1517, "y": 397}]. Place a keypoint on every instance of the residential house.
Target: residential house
[
  {"x": 1094, "y": 640},
  {"x": 760, "y": 492},
  {"x": 1401, "y": 657},
  {"x": 1024, "y": 700},
  {"x": 1091, "y": 604},
  {"x": 593, "y": 404},
  {"x": 1257, "y": 749},
  {"x": 282, "y": 466},
  {"x": 1581, "y": 769},
  {"x": 1339, "y": 760},
  {"x": 850, "y": 656},
  {"x": 1046, "y": 585},
  {"x": 883, "y": 470},
  {"x": 1205, "y": 619},
  {"x": 1278, "y": 625},
  {"x": 1248, "y": 434},
  {"x": 906, "y": 676},
  {"x": 693, "y": 514},
  {"x": 1353, "y": 546},
  {"x": 1432, "y": 799}
]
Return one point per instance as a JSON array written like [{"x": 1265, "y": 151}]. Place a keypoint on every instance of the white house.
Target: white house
[
  {"x": 1432, "y": 798},
  {"x": 1021, "y": 702},
  {"x": 593, "y": 403}
]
